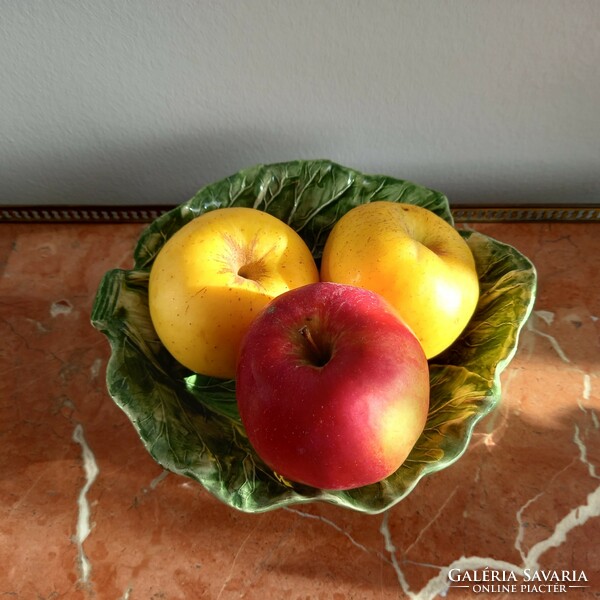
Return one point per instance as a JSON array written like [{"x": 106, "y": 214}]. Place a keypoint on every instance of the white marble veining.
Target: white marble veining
[{"x": 84, "y": 525}]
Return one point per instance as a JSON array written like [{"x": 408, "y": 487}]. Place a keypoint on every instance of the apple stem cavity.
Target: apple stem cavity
[
  {"x": 244, "y": 272},
  {"x": 317, "y": 355},
  {"x": 252, "y": 271}
]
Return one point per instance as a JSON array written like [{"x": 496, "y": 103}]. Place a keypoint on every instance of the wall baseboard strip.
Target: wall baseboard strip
[
  {"x": 146, "y": 214},
  {"x": 570, "y": 214}
]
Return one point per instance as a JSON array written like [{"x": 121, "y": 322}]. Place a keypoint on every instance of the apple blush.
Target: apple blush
[{"x": 332, "y": 386}]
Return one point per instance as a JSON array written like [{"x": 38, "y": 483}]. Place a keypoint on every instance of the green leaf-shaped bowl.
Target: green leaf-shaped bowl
[{"x": 190, "y": 423}]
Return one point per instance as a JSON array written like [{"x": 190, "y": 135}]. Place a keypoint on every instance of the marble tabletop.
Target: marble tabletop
[{"x": 86, "y": 513}]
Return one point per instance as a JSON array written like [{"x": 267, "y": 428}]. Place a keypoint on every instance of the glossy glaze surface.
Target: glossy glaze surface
[{"x": 86, "y": 513}]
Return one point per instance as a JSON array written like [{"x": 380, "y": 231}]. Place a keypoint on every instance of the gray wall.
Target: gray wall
[{"x": 145, "y": 101}]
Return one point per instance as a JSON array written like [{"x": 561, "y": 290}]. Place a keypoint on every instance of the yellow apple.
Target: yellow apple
[
  {"x": 214, "y": 275},
  {"x": 413, "y": 258}
]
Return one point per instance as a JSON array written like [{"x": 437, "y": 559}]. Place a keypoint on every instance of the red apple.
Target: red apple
[{"x": 332, "y": 386}]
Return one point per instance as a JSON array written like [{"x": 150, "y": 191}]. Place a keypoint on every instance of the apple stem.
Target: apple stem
[
  {"x": 318, "y": 355},
  {"x": 305, "y": 332}
]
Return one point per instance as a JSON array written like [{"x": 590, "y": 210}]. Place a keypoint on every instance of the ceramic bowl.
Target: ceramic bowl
[{"x": 190, "y": 424}]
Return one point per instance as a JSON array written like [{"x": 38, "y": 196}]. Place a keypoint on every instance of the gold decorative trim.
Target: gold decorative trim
[
  {"x": 488, "y": 214},
  {"x": 135, "y": 214},
  {"x": 80, "y": 214}
]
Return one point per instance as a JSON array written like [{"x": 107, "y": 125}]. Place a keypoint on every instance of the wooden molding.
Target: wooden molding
[
  {"x": 146, "y": 214},
  {"x": 497, "y": 214}
]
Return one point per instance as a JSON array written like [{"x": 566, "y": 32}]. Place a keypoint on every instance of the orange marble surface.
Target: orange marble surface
[{"x": 86, "y": 513}]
